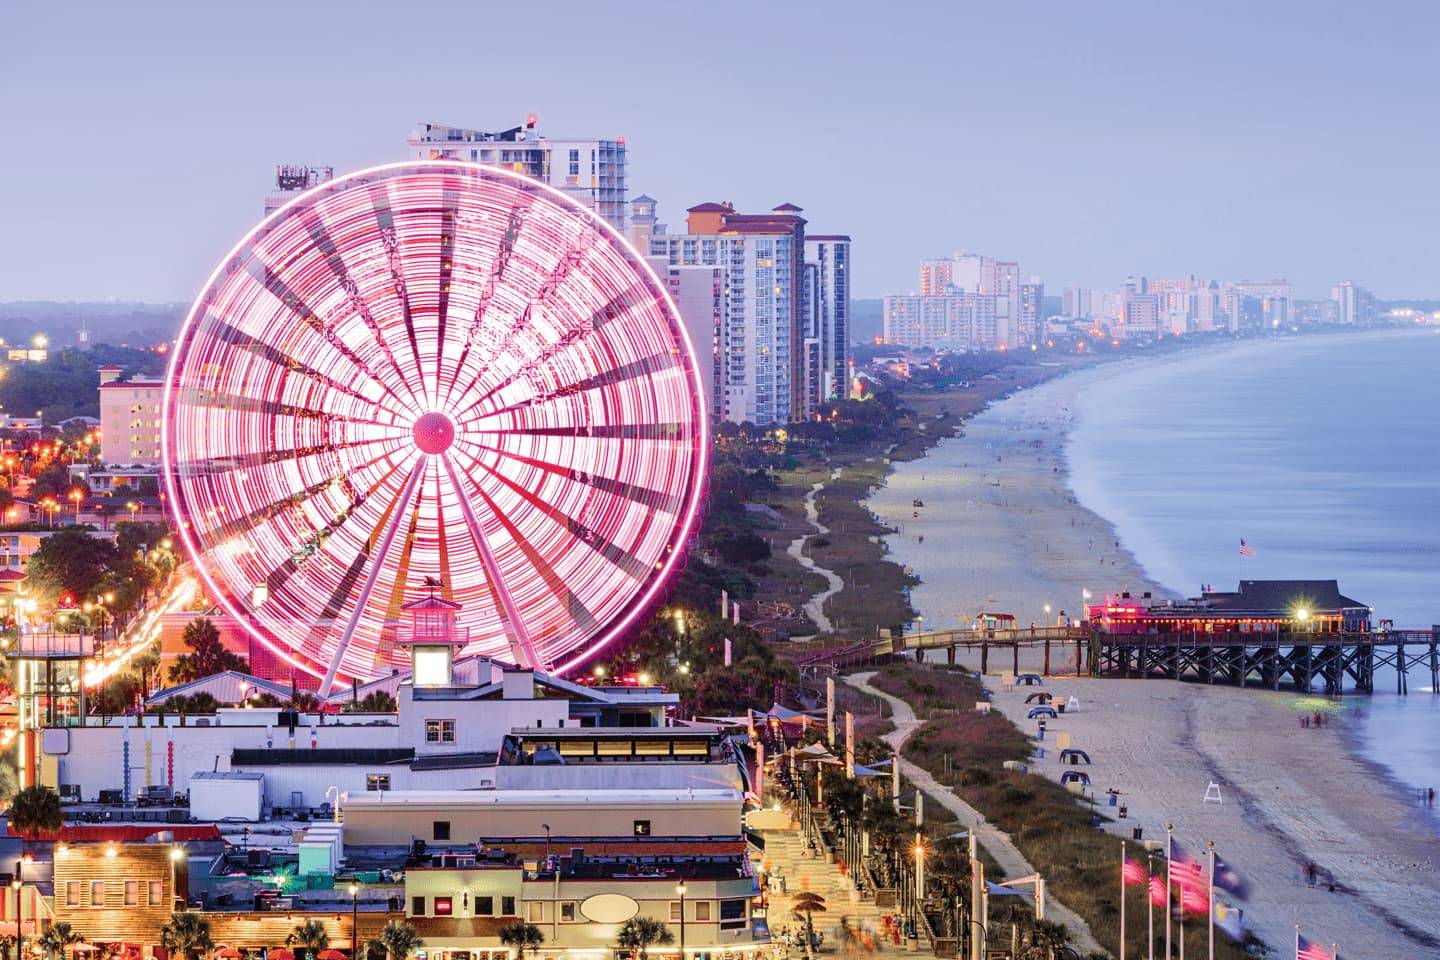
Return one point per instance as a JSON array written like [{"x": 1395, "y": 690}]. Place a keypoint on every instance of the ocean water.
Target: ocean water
[{"x": 1322, "y": 453}]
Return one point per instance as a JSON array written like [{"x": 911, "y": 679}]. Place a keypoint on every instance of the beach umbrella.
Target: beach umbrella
[
  {"x": 280, "y": 953},
  {"x": 227, "y": 953},
  {"x": 330, "y": 955},
  {"x": 809, "y": 897}
]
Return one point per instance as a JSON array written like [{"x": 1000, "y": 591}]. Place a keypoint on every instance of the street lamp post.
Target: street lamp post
[
  {"x": 354, "y": 921},
  {"x": 680, "y": 889},
  {"x": 176, "y": 855},
  {"x": 15, "y": 885}
]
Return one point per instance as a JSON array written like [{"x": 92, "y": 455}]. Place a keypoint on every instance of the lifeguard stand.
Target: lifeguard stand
[{"x": 433, "y": 638}]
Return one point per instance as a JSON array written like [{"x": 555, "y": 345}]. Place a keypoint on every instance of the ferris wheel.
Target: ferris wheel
[{"x": 433, "y": 373}]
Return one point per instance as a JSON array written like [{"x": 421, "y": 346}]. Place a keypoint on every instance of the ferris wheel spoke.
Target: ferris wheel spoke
[
  {"x": 270, "y": 279},
  {"x": 213, "y": 399},
  {"x": 277, "y": 578},
  {"x": 646, "y": 496},
  {"x": 266, "y": 511},
  {"x": 325, "y": 243},
  {"x": 390, "y": 239},
  {"x": 598, "y": 431},
  {"x": 258, "y": 458},
  {"x": 572, "y": 258},
  {"x": 574, "y": 606},
  {"x": 613, "y": 308},
  {"x": 227, "y": 334},
  {"x": 449, "y": 211},
  {"x": 649, "y": 366},
  {"x": 399, "y": 510},
  {"x": 514, "y": 624},
  {"x": 593, "y": 539}
]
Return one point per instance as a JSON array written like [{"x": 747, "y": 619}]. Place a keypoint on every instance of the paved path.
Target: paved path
[
  {"x": 815, "y": 606},
  {"x": 996, "y": 842},
  {"x": 785, "y": 850}
]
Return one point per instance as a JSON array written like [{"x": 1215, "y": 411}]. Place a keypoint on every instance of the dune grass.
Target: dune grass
[{"x": 1053, "y": 828}]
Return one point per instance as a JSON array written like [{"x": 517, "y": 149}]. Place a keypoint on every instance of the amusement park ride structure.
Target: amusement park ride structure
[{"x": 433, "y": 371}]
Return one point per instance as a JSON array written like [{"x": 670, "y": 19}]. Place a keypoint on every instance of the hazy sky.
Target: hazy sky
[{"x": 1087, "y": 140}]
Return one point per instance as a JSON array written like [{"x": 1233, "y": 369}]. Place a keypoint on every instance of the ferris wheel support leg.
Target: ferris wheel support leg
[
  {"x": 402, "y": 509},
  {"x": 529, "y": 655}
]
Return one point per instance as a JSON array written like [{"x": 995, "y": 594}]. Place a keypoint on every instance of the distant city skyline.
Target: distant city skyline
[{"x": 1255, "y": 141}]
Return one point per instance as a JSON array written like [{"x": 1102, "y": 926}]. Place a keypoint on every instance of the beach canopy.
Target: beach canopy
[
  {"x": 1075, "y": 776},
  {"x": 997, "y": 890},
  {"x": 1073, "y": 755},
  {"x": 1041, "y": 712},
  {"x": 1041, "y": 697},
  {"x": 1029, "y": 679},
  {"x": 863, "y": 771}
]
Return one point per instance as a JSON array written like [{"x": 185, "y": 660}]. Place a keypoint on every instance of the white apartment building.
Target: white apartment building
[
  {"x": 829, "y": 254},
  {"x": 965, "y": 321},
  {"x": 130, "y": 420},
  {"x": 1353, "y": 304},
  {"x": 760, "y": 336},
  {"x": 593, "y": 171}
]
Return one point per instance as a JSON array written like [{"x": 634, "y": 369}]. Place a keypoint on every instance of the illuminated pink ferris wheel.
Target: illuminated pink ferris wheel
[{"x": 433, "y": 371}]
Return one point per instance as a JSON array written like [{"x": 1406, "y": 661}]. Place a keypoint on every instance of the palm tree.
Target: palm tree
[
  {"x": 522, "y": 936},
  {"x": 36, "y": 810},
  {"x": 400, "y": 940},
  {"x": 639, "y": 934},
  {"x": 187, "y": 934},
  {"x": 310, "y": 936},
  {"x": 7, "y": 946},
  {"x": 57, "y": 938}
]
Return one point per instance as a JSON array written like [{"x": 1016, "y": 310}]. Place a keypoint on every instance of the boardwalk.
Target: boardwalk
[{"x": 996, "y": 842}]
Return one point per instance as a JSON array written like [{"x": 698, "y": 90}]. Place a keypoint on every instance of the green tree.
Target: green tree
[
  {"x": 208, "y": 655},
  {"x": 400, "y": 940},
  {"x": 35, "y": 811},
  {"x": 639, "y": 934},
  {"x": 57, "y": 938},
  {"x": 524, "y": 937},
  {"x": 376, "y": 701},
  {"x": 71, "y": 561},
  {"x": 310, "y": 936},
  {"x": 187, "y": 934}
]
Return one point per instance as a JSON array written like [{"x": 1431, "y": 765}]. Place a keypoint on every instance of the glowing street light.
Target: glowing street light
[{"x": 77, "y": 495}]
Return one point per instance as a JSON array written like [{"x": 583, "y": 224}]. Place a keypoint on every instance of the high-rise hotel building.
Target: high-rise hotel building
[
  {"x": 593, "y": 171},
  {"x": 774, "y": 303}
]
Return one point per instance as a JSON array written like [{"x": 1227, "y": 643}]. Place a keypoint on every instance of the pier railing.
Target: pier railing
[{"x": 1291, "y": 658}]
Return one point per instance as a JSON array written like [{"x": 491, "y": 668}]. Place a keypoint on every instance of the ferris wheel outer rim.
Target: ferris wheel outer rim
[{"x": 689, "y": 517}]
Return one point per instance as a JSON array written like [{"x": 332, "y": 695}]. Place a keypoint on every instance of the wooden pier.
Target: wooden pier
[{"x": 1299, "y": 660}]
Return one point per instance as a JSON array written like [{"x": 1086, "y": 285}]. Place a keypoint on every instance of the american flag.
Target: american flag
[
  {"x": 1246, "y": 550},
  {"x": 1305, "y": 950},
  {"x": 1157, "y": 890},
  {"x": 1132, "y": 872}
]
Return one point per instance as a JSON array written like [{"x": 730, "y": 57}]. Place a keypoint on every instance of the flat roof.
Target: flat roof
[
  {"x": 618, "y": 733},
  {"x": 226, "y": 775},
  {"x": 546, "y": 798}
]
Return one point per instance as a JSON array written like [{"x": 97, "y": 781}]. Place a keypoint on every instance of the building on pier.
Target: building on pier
[{"x": 1255, "y": 606}]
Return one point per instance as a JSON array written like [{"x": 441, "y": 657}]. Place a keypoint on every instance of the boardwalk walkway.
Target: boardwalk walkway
[{"x": 996, "y": 842}]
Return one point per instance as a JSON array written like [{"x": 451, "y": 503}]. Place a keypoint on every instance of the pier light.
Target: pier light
[{"x": 1302, "y": 614}]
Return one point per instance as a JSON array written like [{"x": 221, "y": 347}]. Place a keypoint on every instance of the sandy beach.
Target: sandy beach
[
  {"x": 1000, "y": 531},
  {"x": 1289, "y": 796}
]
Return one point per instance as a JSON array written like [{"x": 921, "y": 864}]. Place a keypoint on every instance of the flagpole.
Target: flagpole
[
  {"x": 1169, "y": 852},
  {"x": 1122, "y": 900},
  {"x": 1150, "y": 904},
  {"x": 1210, "y": 898},
  {"x": 1297, "y": 941}
]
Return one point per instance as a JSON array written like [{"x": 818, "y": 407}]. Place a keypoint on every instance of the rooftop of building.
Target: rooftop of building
[{"x": 430, "y": 799}]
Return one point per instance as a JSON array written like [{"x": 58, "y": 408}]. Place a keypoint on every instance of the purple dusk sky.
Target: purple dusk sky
[{"x": 1089, "y": 141}]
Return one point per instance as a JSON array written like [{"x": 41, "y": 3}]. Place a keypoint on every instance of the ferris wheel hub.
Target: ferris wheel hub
[{"x": 433, "y": 433}]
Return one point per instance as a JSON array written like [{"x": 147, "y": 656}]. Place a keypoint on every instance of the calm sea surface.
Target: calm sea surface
[{"x": 1322, "y": 452}]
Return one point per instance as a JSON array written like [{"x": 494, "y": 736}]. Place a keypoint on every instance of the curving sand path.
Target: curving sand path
[
  {"x": 815, "y": 607},
  {"x": 996, "y": 842}
]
